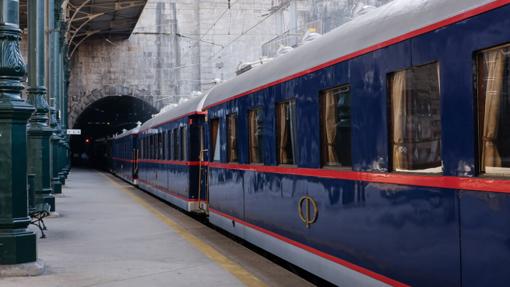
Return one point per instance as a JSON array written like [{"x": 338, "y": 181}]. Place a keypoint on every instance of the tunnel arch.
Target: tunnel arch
[{"x": 104, "y": 118}]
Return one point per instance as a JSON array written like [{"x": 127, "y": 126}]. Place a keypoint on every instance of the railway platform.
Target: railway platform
[{"x": 108, "y": 233}]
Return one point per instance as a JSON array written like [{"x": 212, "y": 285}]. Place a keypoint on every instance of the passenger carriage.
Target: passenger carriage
[
  {"x": 171, "y": 149},
  {"x": 125, "y": 155},
  {"x": 378, "y": 154}
]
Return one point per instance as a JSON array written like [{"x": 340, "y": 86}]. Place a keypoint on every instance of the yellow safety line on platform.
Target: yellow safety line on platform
[{"x": 239, "y": 272}]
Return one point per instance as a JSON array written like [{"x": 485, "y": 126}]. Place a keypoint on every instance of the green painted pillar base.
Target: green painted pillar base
[
  {"x": 39, "y": 162},
  {"x": 17, "y": 243},
  {"x": 62, "y": 178},
  {"x": 57, "y": 186},
  {"x": 17, "y": 246}
]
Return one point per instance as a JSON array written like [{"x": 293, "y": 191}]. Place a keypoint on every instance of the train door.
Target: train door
[
  {"x": 203, "y": 192},
  {"x": 135, "y": 160}
]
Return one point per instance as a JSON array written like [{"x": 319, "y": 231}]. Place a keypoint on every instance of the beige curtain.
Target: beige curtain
[
  {"x": 214, "y": 134},
  {"x": 330, "y": 123},
  {"x": 494, "y": 65},
  {"x": 399, "y": 105},
  {"x": 232, "y": 138},
  {"x": 254, "y": 143},
  {"x": 283, "y": 134}
]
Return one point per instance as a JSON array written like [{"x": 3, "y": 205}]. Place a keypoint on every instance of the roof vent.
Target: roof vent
[
  {"x": 362, "y": 10},
  {"x": 283, "y": 50},
  {"x": 309, "y": 37},
  {"x": 244, "y": 67}
]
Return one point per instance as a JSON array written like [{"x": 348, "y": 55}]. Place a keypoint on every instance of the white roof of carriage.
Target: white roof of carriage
[
  {"x": 387, "y": 22},
  {"x": 191, "y": 106},
  {"x": 127, "y": 133}
]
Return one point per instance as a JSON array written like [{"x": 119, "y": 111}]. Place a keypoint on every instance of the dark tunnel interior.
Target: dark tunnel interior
[{"x": 99, "y": 122}]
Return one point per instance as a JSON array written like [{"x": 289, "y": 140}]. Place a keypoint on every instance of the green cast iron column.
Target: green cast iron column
[
  {"x": 55, "y": 180},
  {"x": 39, "y": 132},
  {"x": 53, "y": 95},
  {"x": 67, "y": 75},
  {"x": 60, "y": 80},
  {"x": 17, "y": 243}
]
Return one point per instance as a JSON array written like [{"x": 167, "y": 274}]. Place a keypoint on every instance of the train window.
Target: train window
[
  {"x": 286, "y": 132},
  {"x": 154, "y": 146},
  {"x": 335, "y": 107},
  {"x": 169, "y": 145},
  {"x": 184, "y": 150},
  {"x": 493, "y": 89},
  {"x": 416, "y": 119},
  {"x": 161, "y": 145},
  {"x": 144, "y": 148},
  {"x": 215, "y": 139},
  {"x": 232, "y": 137},
  {"x": 151, "y": 144},
  {"x": 175, "y": 144},
  {"x": 255, "y": 131}
]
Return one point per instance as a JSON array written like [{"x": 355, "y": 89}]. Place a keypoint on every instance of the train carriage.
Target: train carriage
[
  {"x": 125, "y": 154},
  {"x": 171, "y": 148},
  {"x": 378, "y": 154}
]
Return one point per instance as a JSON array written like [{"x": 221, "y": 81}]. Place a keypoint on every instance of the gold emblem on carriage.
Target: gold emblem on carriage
[{"x": 308, "y": 210}]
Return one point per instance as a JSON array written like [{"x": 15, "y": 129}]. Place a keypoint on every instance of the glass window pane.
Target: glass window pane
[
  {"x": 416, "y": 120},
  {"x": 160, "y": 146},
  {"x": 168, "y": 145},
  {"x": 232, "y": 137},
  {"x": 286, "y": 132},
  {"x": 215, "y": 139},
  {"x": 184, "y": 150},
  {"x": 336, "y": 126},
  {"x": 494, "y": 111},
  {"x": 175, "y": 154},
  {"x": 255, "y": 130}
]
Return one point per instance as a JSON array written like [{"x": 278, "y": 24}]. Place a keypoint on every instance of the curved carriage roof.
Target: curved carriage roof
[
  {"x": 191, "y": 106},
  {"x": 387, "y": 24},
  {"x": 127, "y": 133}
]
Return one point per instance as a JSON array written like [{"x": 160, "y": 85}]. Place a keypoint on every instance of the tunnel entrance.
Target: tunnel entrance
[{"x": 99, "y": 121}]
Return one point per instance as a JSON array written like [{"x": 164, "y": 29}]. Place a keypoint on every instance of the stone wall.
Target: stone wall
[{"x": 183, "y": 46}]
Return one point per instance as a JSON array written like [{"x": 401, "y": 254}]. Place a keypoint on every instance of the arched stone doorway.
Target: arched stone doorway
[{"x": 102, "y": 119}]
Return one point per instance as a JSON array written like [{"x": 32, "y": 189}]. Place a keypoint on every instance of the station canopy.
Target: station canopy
[{"x": 110, "y": 19}]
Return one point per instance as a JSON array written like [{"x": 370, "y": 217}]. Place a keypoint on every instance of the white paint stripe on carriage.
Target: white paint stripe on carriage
[{"x": 333, "y": 272}]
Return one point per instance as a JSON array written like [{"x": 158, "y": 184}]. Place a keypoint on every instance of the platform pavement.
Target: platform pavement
[{"x": 104, "y": 238}]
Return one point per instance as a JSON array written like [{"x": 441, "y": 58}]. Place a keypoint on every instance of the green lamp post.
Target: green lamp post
[
  {"x": 18, "y": 252},
  {"x": 39, "y": 132}
]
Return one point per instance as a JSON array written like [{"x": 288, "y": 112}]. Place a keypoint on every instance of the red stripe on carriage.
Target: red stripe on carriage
[
  {"x": 166, "y": 190},
  {"x": 123, "y": 159},
  {"x": 443, "y": 23},
  {"x": 450, "y": 182},
  {"x": 317, "y": 252}
]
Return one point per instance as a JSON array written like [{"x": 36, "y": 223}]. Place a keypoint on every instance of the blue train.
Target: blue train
[{"x": 376, "y": 155}]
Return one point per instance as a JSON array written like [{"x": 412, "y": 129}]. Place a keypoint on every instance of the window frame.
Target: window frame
[
  {"x": 216, "y": 143},
  {"x": 261, "y": 140},
  {"x": 183, "y": 143},
  {"x": 292, "y": 134},
  {"x": 236, "y": 131},
  {"x": 322, "y": 138},
  {"x": 391, "y": 129},
  {"x": 480, "y": 114}
]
